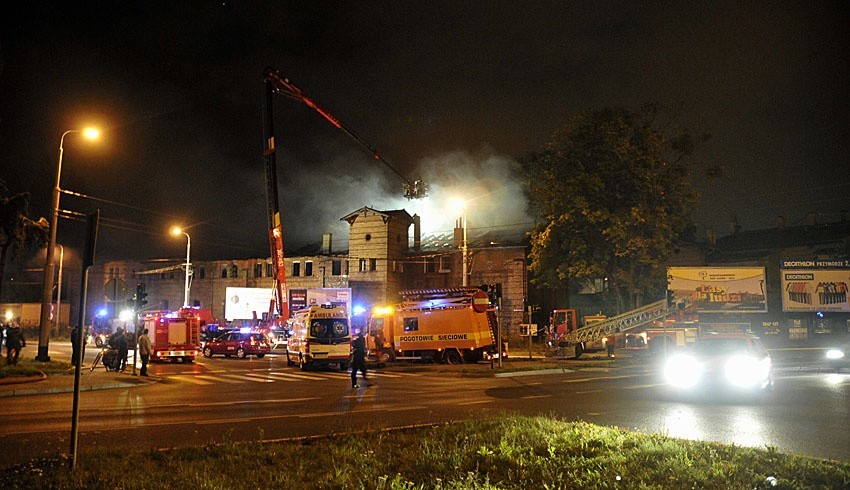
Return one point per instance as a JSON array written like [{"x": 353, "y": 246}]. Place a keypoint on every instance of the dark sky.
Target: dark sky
[{"x": 452, "y": 92}]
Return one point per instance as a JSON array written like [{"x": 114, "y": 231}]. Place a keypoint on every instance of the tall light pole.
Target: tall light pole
[
  {"x": 460, "y": 206},
  {"x": 50, "y": 261},
  {"x": 59, "y": 286},
  {"x": 177, "y": 231}
]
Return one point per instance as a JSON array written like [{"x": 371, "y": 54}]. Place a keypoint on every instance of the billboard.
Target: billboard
[
  {"x": 812, "y": 290},
  {"x": 719, "y": 289},
  {"x": 244, "y": 303}
]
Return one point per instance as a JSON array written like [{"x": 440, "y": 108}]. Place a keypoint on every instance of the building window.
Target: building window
[
  {"x": 269, "y": 270},
  {"x": 224, "y": 272},
  {"x": 202, "y": 272},
  {"x": 430, "y": 265},
  {"x": 362, "y": 267},
  {"x": 296, "y": 269},
  {"x": 373, "y": 265},
  {"x": 308, "y": 268},
  {"x": 171, "y": 275},
  {"x": 165, "y": 304},
  {"x": 446, "y": 263},
  {"x": 258, "y": 270},
  {"x": 336, "y": 267},
  {"x": 234, "y": 272}
]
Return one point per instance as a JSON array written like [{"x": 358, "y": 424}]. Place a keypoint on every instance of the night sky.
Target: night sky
[{"x": 452, "y": 92}]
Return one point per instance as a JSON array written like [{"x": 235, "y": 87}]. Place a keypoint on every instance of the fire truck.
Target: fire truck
[
  {"x": 276, "y": 83},
  {"x": 174, "y": 335},
  {"x": 598, "y": 331},
  {"x": 452, "y": 325}
]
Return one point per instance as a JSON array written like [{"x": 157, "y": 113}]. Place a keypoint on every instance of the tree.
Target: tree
[
  {"x": 611, "y": 196},
  {"x": 17, "y": 230}
]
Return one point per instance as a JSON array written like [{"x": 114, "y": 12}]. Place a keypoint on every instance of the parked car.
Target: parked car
[
  {"x": 721, "y": 364},
  {"x": 239, "y": 344}
]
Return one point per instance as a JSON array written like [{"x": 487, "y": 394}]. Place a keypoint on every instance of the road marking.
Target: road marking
[
  {"x": 476, "y": 402},
  {"x": 639, "y": 387},
  {"x": 294, "y": 377},
  {"x": 259, "y": 378},
  {"x": 588, "y": 391},
  {"x": 190, "y": 379},
  {"x": 218, "y": 379},
  {"x": 535, "y": 396}
]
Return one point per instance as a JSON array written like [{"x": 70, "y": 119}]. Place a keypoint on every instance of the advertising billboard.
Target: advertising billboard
[
  {"x": 812, "y": 286},
  {"x": 719, "y": 289},
  {"x": 244, "y": 303}
]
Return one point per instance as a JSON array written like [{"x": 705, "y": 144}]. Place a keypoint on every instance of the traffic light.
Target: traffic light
[{"x": 141, "y": 296}]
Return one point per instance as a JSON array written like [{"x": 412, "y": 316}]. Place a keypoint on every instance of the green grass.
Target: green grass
[
  {"x": 31, "y": 367},
  {"x": 509, "y": 452}
]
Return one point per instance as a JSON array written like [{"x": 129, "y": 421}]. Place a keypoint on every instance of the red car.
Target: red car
[{"x": 239, "y": 344}]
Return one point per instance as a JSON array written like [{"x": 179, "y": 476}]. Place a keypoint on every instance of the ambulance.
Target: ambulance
[
  {"x": 319, "y": 336},
  {"x": 449, "y": 325}
]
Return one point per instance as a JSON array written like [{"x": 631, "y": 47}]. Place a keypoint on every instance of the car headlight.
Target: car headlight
[
  {"x": 747, "y": 371},
  {"x": 835, "y": 354},
  {"x": 683, "y": 371}
]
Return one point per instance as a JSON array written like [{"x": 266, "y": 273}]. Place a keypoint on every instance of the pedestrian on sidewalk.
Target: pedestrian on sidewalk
[
  {"x": 119, "y": 342},
  {"x": 14, "y": 341},
  {"x": 144, "y": 351},
  {"x": 358, "y": 359}
]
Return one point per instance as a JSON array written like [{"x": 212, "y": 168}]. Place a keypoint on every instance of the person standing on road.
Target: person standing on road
[
  {"x": 119, "y": 342},
  {"x": 358, "y": 358},
  {"x": 78, "y": 345},
  {"x": 14, "y": 341},
  {"x": 144, "y": 351}
]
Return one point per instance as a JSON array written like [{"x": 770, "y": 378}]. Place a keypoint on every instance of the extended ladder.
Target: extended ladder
[{"x": 620, "y": 323}]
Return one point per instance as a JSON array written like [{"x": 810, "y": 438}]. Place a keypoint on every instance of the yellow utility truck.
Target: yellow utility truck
[{"x": 452, "y": 325}]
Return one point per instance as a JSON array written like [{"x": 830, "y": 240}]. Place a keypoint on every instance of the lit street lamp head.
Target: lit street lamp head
[{"x": 50, "y": 264}]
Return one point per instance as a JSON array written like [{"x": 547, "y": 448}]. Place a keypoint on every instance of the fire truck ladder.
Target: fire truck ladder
[{"x": 620, "y": 323}]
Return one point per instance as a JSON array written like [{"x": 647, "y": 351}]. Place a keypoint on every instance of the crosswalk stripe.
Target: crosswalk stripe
[
  {"x": 297, "y": 376},
  {"x": 218, "y": 379},
  {"x": 191, "y": 379},
  {"x": 238, "y": 377},
  {"x": 259, "y": 378}
]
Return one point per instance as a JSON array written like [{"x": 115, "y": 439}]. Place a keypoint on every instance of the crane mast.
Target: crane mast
[{"x": 276, "y": 83}]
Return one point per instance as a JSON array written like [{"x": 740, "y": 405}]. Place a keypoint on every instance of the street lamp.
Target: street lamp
[
  {"x": 460, "y": 206},
  {"x": 177, "y": 231},
  {"x": 50, "y": 262},
  {"x": 59, "y": 286}
]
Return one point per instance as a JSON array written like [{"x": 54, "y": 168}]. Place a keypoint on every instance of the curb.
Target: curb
[
  {"x": 23, "y": 379},
  {"x": 70, "y": 389}
]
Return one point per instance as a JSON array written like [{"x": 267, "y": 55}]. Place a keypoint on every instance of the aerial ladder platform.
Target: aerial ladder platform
[{"x": 623, "y": 322}]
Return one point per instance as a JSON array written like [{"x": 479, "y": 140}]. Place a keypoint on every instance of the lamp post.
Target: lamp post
[
  {"x": 177, "y": 231},
  {"x": 59, "y": 286},
  {"x": 50, "y": 262},
  {"x": 460, "y": 205}
]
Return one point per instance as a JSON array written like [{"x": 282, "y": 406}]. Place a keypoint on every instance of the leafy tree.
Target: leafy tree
[
  {"x": 17, "y": 230},
  {"x": 611, "y": 196}
]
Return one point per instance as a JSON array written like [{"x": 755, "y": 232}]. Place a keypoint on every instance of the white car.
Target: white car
[{"x": 721, "y": 362}]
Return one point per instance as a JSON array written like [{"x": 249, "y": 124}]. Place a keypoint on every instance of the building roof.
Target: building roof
[{"x": 396, "y": 213}]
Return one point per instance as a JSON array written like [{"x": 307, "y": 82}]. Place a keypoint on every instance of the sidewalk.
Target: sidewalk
[{"x": 99, "y": 379}]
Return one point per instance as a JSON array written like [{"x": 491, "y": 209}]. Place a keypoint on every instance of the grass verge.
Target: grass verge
[
  {"x": 31, "y": 367},
  {"x": 509, "y": 452}
]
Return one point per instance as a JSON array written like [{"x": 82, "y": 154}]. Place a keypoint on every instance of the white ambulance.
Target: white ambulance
[{"x": 319, "y": 336}]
